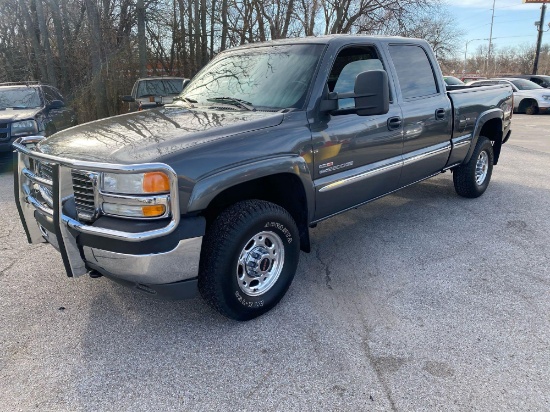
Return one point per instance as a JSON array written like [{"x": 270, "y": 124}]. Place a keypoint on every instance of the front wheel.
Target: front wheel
[
  {"x": 471, "y": 179},
  {"x": 248, "y": 259}
]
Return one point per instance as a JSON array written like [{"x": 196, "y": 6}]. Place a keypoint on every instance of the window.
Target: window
[
  {"x": 48, "y": 94},
  {"x": 270, "y": 77},
  {"x": 414, "y": 71},
  {"x": 347, "y": 65}
]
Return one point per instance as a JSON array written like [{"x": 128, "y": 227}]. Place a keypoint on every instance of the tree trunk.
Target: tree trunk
[
  {"x": 38, "y": 57},
  {"x": 224, "y": 25},
  {"x": 98, "y": 86},
  {"x": 58, "y": 26},
  {"x": 142, "y": 46}
]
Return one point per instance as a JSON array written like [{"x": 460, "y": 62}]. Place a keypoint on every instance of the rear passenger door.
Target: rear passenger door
[{"x": 427, "y": 117}]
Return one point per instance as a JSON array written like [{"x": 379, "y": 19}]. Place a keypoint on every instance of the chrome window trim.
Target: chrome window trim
[{"x": 172, "y": 200}]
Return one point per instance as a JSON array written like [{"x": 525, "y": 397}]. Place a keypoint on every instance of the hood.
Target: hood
[
  {"x": 13, "y": 115},
  {"x": 151, "y": 135}
]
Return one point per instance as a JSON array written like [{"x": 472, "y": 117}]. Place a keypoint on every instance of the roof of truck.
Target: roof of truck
[{"x": 331, "y": 38}]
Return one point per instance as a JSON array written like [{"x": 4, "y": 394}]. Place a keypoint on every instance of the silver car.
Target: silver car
[{"x": 529, "y": 97}]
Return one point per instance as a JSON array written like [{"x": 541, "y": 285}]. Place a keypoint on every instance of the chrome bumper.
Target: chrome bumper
[{"x": 175, "y": 265}]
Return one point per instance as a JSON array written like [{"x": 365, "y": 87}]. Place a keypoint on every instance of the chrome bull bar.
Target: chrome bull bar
[{"x": 66, "y": 227}]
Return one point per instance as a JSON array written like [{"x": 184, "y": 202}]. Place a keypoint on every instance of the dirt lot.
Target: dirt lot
[{"x": 419, "y": 301}]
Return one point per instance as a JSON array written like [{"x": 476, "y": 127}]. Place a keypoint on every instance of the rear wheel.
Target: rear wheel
[
  {"x": 248, "y": 259},
  {"x": 471, "y": 179}
]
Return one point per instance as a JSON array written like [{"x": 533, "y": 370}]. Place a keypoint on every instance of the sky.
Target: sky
[{"x": 514, "y": 22}]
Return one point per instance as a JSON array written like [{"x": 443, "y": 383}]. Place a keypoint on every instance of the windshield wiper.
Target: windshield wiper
[{"x": 243, "y": 104}]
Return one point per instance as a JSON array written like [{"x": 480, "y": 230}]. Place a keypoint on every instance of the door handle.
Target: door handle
[
  {"x": 394, "y": 123},
  {"x": 440, "y": 114}
]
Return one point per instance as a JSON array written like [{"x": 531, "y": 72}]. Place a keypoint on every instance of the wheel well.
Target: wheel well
[
  {"x": 525, "y": 103},
  {"x": 492, "y": 130},
  {"x": 285, "y": 190}
]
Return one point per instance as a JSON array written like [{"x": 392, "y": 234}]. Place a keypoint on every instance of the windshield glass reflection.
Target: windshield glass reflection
[
  {"x": 270, "y": 77},
  {"x": 19, "y": 98}
]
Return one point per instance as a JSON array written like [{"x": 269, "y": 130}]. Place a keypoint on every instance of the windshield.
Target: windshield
[
  {"x": 159, "y": 87},
  {"x": 453, "y": 81},
  {"x": 270, "y": 77},
  {"x": 522, "y": 84},
  {"x": 19, "y": 98}
]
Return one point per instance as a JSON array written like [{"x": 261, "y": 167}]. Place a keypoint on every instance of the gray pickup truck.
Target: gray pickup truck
[{"x": 216, "y": 192}]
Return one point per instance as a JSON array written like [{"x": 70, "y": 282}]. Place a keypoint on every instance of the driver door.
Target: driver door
[{"x": 356, "y": 158}]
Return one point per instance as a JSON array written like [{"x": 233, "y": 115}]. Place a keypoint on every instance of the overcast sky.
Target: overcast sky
[{"x": 513, "y": 24}]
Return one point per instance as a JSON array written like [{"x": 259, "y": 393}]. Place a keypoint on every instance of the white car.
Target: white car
[{"x": 529, "y": 97}]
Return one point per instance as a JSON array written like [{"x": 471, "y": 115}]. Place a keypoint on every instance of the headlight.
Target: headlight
[
  {"x": 24, "y": 128},
  {"x": 125, "y": 195},
  {"x": 142, "y": 183}
]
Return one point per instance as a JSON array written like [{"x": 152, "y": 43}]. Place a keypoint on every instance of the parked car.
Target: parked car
[
  {"x": 151, "y": 92},
  {"x": 540, "y": 79},
  {"x": 453, "y": 81},
  {"x": 217, "y": 191},
  {"x": 529, "y": 98},
  {"x": 31, "y": 109},
  {"x": 469, "y": 79}
]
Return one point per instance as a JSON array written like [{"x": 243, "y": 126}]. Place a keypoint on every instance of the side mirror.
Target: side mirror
[
  {"x": 185, "y": 83},
  {"x": 56, "y": 104},
  {"x": 128, "y": 99},
  {"x": 371, "y": 93}
]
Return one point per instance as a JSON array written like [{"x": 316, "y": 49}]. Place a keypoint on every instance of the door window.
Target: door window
[
  {"x": 414, "y": 71},
  {"x": 347, "y": 65}
]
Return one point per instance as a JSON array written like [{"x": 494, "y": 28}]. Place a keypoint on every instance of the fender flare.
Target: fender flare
[
  {"x": 208, "y": 187},
  {"x": 483, "y": 118}
]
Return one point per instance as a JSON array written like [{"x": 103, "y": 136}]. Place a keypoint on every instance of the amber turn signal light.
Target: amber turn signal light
[
  {"x": 153, "y": 210},
  {"x": 156, "y": 182}
]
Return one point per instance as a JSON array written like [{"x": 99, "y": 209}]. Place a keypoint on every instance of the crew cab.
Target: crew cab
[
  {"x": 31, "y": 108},
  {"x": 217, "y": 191}
]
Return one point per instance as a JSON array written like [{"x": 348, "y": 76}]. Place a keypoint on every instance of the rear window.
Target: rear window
[
  {"x": 523, "y": 84},
  {"x": 159, "y": 87}
]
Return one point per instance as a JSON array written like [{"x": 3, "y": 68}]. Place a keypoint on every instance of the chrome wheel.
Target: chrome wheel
[
  {"x": 260, "y": 263},
  {"x": 482, "y": 166}
]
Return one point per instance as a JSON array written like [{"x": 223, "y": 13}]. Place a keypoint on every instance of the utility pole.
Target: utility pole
[
  {"x": 540, "y": 28},
  {"x": 490, "y": 39},
  {"x": 466, "y": 53}
]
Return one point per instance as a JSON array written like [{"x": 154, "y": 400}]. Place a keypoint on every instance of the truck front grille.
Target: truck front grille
[
  {"x": 83, "y": 186},
  {"x": 45, "y": 171}
]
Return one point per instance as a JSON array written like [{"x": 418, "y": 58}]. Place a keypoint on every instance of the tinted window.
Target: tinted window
[
  {"x": 159, "y": 87},
  {"x": 414, "y": 71},
  {"x": 453, "y": 81},
  {"x": 49, "y": 94},
  {"x": 522, "y": 84}
]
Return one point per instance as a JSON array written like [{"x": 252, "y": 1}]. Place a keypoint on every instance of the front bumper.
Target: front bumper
[{"x": 148, "y": 257}]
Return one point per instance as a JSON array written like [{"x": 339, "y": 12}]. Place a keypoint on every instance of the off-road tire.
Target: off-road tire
[
  {"x": 227, "y": 239},
  {"x": 464, "y": 176}
]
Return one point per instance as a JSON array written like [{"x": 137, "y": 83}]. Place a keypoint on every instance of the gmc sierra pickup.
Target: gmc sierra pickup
[{"x": 217, "y": 191}]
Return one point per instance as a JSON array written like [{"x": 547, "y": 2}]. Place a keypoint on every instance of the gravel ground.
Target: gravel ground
[{"x": 419, "y": 301}]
